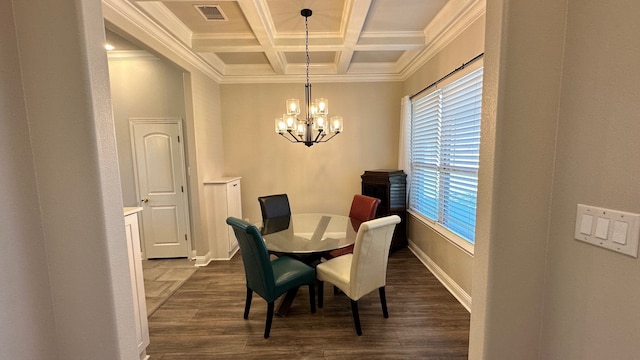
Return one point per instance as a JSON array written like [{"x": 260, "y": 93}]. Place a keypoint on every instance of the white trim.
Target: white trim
[
  {"x": 130, "y": 54},
  {"x": 454, "y": 18},
  {"x": 450, "y": 22},
  {"x": 447, "y": 234},
  {"x": 116, "y": 11},
  {"x": 203, "y": 260},
  {"x": 462, "y": 296},
  {"x": 206, "y": 259},
  {"x": 164, "y": 16}
]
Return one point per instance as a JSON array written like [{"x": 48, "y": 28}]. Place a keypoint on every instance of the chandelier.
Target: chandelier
[{"x": 315, "y": 126}]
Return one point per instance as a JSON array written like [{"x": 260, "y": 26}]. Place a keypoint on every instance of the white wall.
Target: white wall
[
  {"x": 27, "y": 325},
  {"x": 79, "y": 226},
  {"x": 590, "y": 306},
  {"x": 562, "y": 100}
]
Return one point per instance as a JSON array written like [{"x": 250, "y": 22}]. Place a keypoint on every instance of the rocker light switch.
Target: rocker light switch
[
  {"x": 610, "y": 229},
  {"x": 620, "y": 232},
  {"x": 602, "y": 228},
  {"x": 586, "y": 224}
]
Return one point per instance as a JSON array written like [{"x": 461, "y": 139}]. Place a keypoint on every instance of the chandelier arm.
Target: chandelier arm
[
  {"x": 293, "y": 136},
  {"x": 331, "y": 137},
  {"x": 319, "y": 136}
]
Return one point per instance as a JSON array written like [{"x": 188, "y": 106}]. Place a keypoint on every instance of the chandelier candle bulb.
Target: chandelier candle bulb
[
  {"x": 293, "y": 107},
  {"x": 336, "y": 124},
  {"x": 320, "y": 123},
  {"x": 312, "y": 128},
  {"x": 290, "y": 122},
  {"x": 323, "y": 106},
  {"x": 281, "y": 127}
]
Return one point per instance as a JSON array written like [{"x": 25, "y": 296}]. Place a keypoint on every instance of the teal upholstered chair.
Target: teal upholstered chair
[{"x": 269, "y": 278}]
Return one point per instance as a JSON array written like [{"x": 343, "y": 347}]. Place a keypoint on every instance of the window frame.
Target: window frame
[{"x": 436, "y": 224}]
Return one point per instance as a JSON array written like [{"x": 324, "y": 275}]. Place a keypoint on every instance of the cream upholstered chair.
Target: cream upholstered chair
[{"x": 365, "y": 270}]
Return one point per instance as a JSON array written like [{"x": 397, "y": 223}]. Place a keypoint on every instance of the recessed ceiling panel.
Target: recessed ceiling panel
[
  {"x": 376, "y": 56},
  {"x": 243, "y": 58},
  {"x": 394, "y": 15},
  {"x": 193, "y": 19},
  {"x": 320, "y": 57},
  {"x": 327, "y": 15}
]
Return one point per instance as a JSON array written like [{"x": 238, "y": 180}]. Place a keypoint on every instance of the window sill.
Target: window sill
[{"x": 456, "y": 240}]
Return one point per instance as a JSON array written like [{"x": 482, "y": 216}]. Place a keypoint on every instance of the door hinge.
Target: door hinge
[
  {"x": 178, "y": 138},
  {"x": 182, "y": 188},
  {"x": 185, "y": 237}
]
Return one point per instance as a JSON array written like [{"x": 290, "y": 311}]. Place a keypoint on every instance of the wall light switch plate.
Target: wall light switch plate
[{"x": 610, "y": 229}]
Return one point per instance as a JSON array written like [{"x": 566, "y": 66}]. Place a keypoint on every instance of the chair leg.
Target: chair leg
[
  {"x": 383, "y": 302},
  {"x": 267, "y": 325},
  {"x": 312, "y": 297},
  {"x": 320, "y": 293},
  {"x": 356, "y": 316},
  {"x": 247, "y": 304}
]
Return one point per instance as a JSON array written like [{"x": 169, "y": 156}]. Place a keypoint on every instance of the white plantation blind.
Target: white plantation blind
[{"x": 444, "y": 150}]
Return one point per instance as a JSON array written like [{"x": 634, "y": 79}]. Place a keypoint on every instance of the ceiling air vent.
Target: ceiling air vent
[{"x": 211, "y": 12}]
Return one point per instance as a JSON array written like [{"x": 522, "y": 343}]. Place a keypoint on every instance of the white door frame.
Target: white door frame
[{"x": 185, "y": 193}]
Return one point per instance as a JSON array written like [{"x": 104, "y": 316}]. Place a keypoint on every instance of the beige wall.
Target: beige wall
[
  {"x": 324, "y": 177},
  {"x": 461, "y": 49},
  {"x": 144, "y": 87},
  {"x": 69, "y": 191},
  {"x": 562, "y": 97},
  {"x": 27, "y": 314},
  {"x": 202, "y": 119},
  {"x": 589, "y": 300},
  {"x": 457, "y": 264}
]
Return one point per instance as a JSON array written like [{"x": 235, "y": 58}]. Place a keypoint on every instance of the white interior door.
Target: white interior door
[{"x": 161, "y": 184}]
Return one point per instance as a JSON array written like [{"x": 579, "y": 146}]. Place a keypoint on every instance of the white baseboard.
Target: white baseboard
[
  {"x": 203, "y": 260},
  {"x": 453, "y": 287}
]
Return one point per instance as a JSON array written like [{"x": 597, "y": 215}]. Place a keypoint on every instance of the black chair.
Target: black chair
[
  {"x": 274, "y": 206},
  {"x": 269, "y": 278}
]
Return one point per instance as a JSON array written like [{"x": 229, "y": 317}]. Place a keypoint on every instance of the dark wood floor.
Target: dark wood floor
[{"x": 203, "y": 320}]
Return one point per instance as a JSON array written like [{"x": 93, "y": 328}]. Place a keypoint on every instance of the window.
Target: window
[{"x": 444, "y": 153}]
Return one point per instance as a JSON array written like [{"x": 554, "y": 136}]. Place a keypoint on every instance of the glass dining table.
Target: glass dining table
[
  {"x": 309, "y": 233},
  {"x": 306, "y": 237}
]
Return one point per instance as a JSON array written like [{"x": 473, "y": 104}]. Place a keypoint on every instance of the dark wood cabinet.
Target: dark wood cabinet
[{"x": 390, "y": 186}]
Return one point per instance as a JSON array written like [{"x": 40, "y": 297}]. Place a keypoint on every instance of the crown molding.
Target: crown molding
[
  {"x": 452, "y": 20},
  {"x": 116, "y": 11},
  {"x": 130, "y": 54},
  {"x": 158, "y": 11}
]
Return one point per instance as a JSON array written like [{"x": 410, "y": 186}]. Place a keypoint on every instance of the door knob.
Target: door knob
[{"x": 145, "y": 200}]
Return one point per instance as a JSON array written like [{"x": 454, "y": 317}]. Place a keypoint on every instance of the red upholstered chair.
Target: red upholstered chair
[{"x": 363, "y": 208}]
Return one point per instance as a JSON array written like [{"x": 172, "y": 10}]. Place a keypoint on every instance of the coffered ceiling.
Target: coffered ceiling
[{"x": 351, "y": 40}]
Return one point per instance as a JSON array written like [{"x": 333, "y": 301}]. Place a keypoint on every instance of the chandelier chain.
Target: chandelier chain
[{"x": 306, "y": 44}]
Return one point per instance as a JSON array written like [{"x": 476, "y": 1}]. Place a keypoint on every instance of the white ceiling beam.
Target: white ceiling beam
[
  {"x": 257, "y": 14},
  {"x": 356, "y": 15}
]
